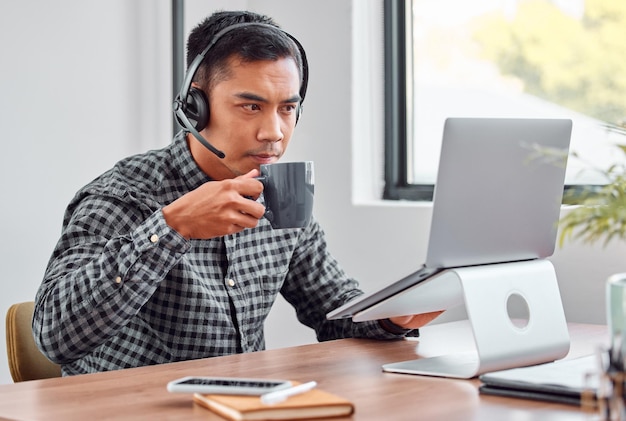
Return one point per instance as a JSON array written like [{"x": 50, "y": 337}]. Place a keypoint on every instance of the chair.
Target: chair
[{"x": 26, "y": 362}]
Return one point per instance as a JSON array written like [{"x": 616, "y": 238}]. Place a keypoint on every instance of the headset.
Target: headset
[{"x": 191, "y": 105}]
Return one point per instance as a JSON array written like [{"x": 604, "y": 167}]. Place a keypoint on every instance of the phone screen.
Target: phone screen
[
  {"x": 207, "y": 381},
  {"x": 227, "y": 385}
]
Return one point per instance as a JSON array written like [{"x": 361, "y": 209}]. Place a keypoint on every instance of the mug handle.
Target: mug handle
[
  {"x": 262, "y": 179},
  {"x": 268, "y": 213}
]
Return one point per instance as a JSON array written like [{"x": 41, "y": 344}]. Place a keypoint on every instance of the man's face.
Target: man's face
[{"x": 252, "y": 117}]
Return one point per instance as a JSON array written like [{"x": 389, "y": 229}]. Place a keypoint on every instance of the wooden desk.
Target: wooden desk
[{"x": 349, "y": 367}]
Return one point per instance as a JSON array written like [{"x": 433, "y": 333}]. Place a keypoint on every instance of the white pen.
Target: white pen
[{"x": 281, "y": 395}]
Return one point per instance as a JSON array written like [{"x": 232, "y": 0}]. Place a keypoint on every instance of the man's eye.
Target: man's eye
[
  {"x": 289, "y": 108},
  {"x": 252, "y": 107}
]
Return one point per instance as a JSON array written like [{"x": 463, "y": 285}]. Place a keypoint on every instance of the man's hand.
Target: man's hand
[
  {"x": 217, "y": 208},
  {"x": 415, "y": 321}
]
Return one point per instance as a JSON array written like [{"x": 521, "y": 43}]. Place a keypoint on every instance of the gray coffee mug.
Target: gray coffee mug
[{"x": 288, "y": 191}]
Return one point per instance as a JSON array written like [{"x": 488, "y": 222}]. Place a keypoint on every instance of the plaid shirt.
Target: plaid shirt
[{"x": 123, "y": 289}]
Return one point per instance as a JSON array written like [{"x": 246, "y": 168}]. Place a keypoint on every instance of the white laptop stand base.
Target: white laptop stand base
[{"x": 485, "y": 291}]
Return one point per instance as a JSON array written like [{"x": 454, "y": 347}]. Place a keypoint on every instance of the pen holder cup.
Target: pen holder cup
[{"x": 604, "y": 394}]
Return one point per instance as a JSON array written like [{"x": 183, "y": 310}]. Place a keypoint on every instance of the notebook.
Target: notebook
[
  {"x": 310, "y": 405},
  {"x": 497, "y": 198},
  {"x": 563, "y": 381}
]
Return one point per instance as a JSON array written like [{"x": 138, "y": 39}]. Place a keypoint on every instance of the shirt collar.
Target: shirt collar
[{"x": 190, "y": 171}]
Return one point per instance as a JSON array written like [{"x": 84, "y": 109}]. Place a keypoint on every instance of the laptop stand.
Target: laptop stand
[{"x": 485, "y": 290}]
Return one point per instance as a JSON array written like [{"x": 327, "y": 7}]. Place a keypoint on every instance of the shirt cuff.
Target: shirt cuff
[
  {"x": 393, "y": 328},
  {"x": 158, "y": 248}
]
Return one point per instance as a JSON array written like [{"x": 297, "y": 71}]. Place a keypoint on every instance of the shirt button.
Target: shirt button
[
  {"x": 154, "y": 238},
  {"x": 230, "y": 282},
  {"x": 118, "y": 280}
]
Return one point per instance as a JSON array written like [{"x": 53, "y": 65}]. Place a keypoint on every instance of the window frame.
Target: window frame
[
  {"x": 397, "y": 126},
  {"x": 397, "y": 114}
]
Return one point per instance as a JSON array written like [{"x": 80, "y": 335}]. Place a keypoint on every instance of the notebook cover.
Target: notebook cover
[
  {"x": 574, "y": 399},
  {"x": 315, "y": 403}
]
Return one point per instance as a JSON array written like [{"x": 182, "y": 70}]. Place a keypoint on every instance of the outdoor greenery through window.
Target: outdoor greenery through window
[{"x": 502, "y": 58}]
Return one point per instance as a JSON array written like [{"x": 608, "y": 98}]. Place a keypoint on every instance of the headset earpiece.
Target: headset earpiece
[
  {"x": 298, "y": 111},
  {"x": 197, "y": 108}
]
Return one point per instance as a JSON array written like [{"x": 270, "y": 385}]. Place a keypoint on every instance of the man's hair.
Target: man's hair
[{"x": 248, "y": 43}]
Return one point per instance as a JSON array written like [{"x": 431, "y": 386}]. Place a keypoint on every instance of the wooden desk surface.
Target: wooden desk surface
[{"x": 349, "y": 367}]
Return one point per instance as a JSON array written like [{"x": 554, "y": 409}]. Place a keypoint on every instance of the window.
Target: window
[{"x": 502, "y": 58}]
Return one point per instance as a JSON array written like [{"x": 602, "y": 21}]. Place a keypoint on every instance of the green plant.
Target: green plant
[{"x": 600, "y": 212}]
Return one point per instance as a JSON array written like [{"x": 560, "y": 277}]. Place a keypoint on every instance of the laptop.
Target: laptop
[{"x": 497, "y": 198}]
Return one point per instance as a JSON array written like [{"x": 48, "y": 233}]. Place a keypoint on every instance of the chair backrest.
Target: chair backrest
[{"x": 26, "y": 362}]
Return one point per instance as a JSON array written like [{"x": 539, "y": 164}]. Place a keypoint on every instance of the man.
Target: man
[{"x": 166, "y": 256}]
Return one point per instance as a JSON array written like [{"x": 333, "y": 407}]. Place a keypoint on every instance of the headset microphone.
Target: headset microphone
[{"x": 184, "y": 121}]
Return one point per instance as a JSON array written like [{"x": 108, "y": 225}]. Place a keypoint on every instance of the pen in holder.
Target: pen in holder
[{"x": 604, "y": 388}]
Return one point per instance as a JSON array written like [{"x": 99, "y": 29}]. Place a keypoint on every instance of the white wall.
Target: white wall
[{"x": 85, "y": 83}]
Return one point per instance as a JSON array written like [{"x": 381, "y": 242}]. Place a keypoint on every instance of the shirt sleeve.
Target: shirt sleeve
[
  {"x": 109, "y": 260},
  {"x": 316, "y": 285}
]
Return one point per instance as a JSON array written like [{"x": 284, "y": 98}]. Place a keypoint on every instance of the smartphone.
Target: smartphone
[{"x": 227, "y": 385}]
